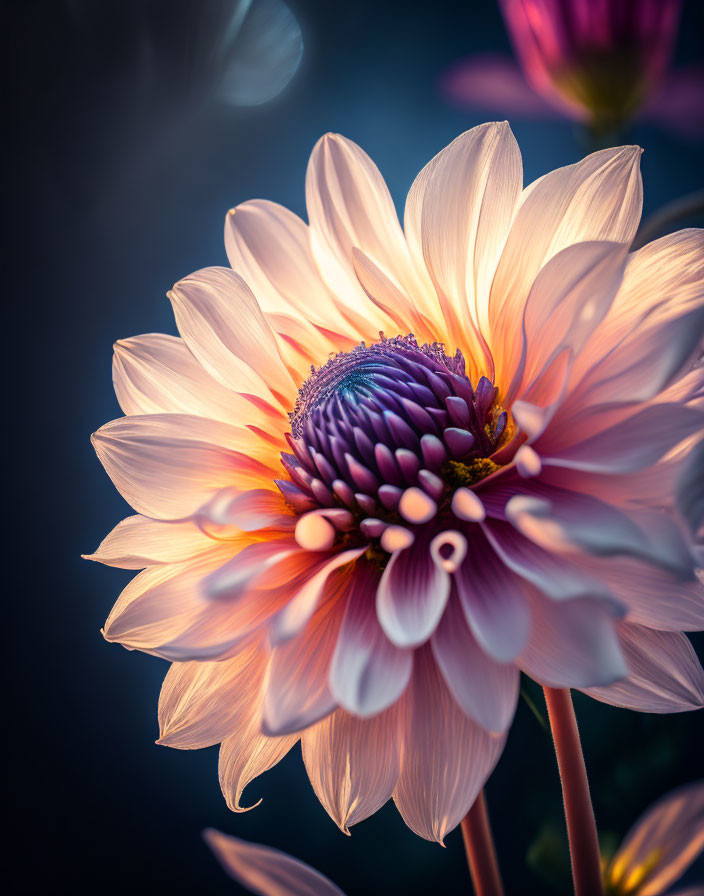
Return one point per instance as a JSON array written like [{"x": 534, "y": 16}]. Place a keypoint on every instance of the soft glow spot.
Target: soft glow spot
[
  {"x": 451, "y": 559},
  {"x": 416, "y": 506},
  {"x": 527, "y": 462},
  {"x": 467, "y": 506},
  {"x": 396, "y": 538},
  {"x": 314, "y": 532}
]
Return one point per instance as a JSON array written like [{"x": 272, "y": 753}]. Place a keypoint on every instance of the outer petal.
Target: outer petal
[
  {"x": 354, "y": 764},
  {"x": 573, "y": 644},
  {"x": 672, "y": 830},
  {"x": 157, "y": 374},
  {"x": 486, "y": 690},
  {"x": 267, "y": 871},
  {"x": 447, "y": 756},
  {"x": 245, "y": 755},
  {"x": 224, "y": 327},
  {"x": 138, "y": 541},
  {"x": 664, "y": 674},
  {"x": 169, "y": 465},
  {"x": 411, "y": 596},
  {"x": 457, "y": 217},
  {"x": 368, "y": 672},
  {"x": 202, "y": 703},
  {"x": 599, "y": 198}
]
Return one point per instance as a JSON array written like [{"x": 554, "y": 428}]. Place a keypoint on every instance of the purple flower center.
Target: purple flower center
[{"x": 387, "y": 432}]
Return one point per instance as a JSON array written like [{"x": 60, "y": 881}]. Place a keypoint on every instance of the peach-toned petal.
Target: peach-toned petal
[
  {"x": 250, "y": 510},
  {"x": 447, "y": 757},
  {"x": 573, "y": 643},
  {"x": 353, "y": 764},
  {"x": 244, "y": 756},
  {"x": 138, "y": 541},
  {"x": 672, "y": 830},
  {"x": 458, "y": 215},
  {"x": 155, "y": 374},
  {"x": 690, "y": 488},
  {"x": 266, "y": 871},
  {"x": 169, "y": 465},
  {"x": 599, "y": 198},
  {"x": 224, "y": 327},
  {"x": 664, "y": 674},
  {"x": 486, "y": 690},
  {"x": 202, "y": 703},
  {"x": 368, "y": 673}
]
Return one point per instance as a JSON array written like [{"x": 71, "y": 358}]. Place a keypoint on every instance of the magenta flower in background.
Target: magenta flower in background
[{"x": 602, "y": 62}]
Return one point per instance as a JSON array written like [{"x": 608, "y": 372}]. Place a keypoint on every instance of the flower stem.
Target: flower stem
[
  {"x": 579, "y": 814},
  {"x": 479, "y": 846}
]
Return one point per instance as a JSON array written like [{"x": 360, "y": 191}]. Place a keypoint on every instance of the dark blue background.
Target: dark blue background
[{"x": 117, "y": 190}]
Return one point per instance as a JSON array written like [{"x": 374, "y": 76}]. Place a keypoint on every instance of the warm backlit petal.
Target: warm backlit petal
[
  {"x": 138, "y": 541},
  {"x": 244, "y": 756},
  {"x": 353, "y": 764},
  {"x": 267, "y": 871}
]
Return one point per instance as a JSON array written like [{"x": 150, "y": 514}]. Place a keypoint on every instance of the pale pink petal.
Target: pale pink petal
[
  {"x": 447, "y": 757},
  {"x": 664, "y": 674},
  {"x": 156, "y": 374},
  {"x": 248, "y": 511},
  {"x": 267, "y": 871},
  {"x": 486, "y": 690},
  {"x": 349, "y": 206},
  {"x": 573, "y": 643},
  {"x": 244, "y": 756},
  {"x": 297, "y": 692},
  {"x": 598, "y": 198},
  {"x": 568, "y": 300},
  {"x": 353, "y": 764},
  {"x": 202, "y": 703},
  {"x": 690, "y": 489},
  {"x": 457, "y": 217},
  {"x": 138, "y": 541},
  {"x": 411, "y": 596},
  {"x": 368, "y": 672},
  {"x": 672, "y": 830},
  {"x": 632, "y": 444},
  {"x": 224, "y": 327},
  {"x": 168, "y": 465},
  {"x": 494, "y": 602}
]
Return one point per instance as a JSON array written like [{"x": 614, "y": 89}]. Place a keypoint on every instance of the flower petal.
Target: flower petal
[
  {"x": 447, "y": 757},
  {"x": 138, "y": 541},
  {"x": 664, "y": 674},
  {"x": 224, "y": 327},
  {"x": 573, "y": 644},
  {"x": 244, "y": 756},
  {"x": 673, "y": 831},
  {"x": 267, "y": 871},
  {"x": 486, "y": 690},
  {"x": 353, "y": 764}
]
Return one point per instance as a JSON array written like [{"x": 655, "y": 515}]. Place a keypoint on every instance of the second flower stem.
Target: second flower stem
[
  {"x": 579, "y": 814},
  {"x": 479, "y": 846}
]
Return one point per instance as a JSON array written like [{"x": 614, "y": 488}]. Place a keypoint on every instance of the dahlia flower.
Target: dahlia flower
[
  {"x": 660, "y": 847},
  {"x": 383, "y": 471},
  {"x": 601, "y": 62}
]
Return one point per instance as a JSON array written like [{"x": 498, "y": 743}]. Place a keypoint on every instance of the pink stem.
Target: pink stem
[{"x": 479, "y": 846}]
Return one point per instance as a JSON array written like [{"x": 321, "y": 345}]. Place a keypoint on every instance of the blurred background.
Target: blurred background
[{"x": 132, "y": 128}]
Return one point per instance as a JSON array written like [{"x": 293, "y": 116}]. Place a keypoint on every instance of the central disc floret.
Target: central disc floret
[{"x": 383, "y": 435}]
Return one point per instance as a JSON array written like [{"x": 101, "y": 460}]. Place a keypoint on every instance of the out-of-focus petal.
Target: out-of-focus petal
[
  {"x": 138, "y": 541},
  {"x": 368, "y": 672},
  {"x": 457, "y": 217},
  {"x": 573, "y": 643},
  {"x": 447, "y": 756},
  {"x": 690, "y": 489},
  {"x": 485, "y": 689},
  {"x": 202, "y": 703},
  {"x": 168, "y": 465},
  {"x": 662, "y": 844},
  {"x": 157, "y": 374},
  {"x": 224, "y": 327},
  {"x": 244, "y": 756},
  {"x": 353, "y": 764},
  {"x": 664, "y": 674},
  {"x": 677, "y": 103},
  {"x": 497, "y": 84},
  {"x": 267, "y": 871}
]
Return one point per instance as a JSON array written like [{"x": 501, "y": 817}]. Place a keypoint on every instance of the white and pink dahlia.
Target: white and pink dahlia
[{"x": 358, "y": 538}]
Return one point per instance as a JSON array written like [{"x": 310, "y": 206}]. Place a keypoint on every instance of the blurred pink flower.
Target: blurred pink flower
[
  {"x": 358, "y": 541},
  {"x": 598, "y": 61},
  {"x": 660, "y": 847}
]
